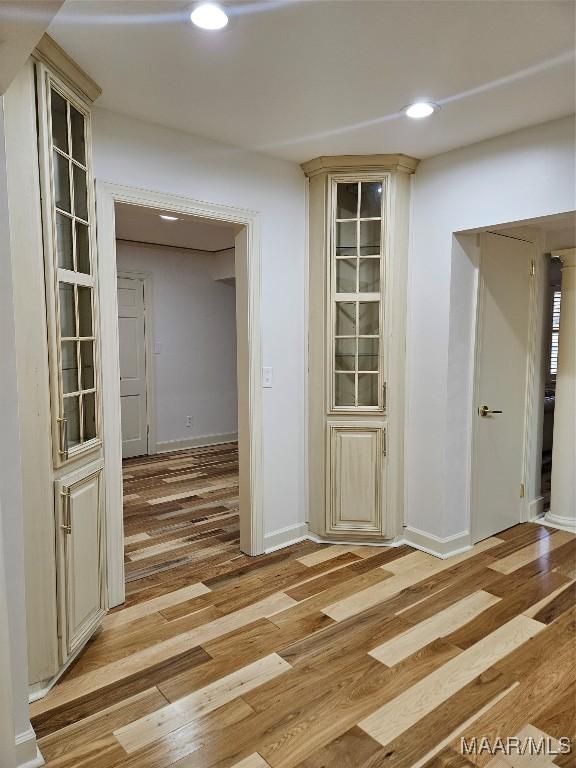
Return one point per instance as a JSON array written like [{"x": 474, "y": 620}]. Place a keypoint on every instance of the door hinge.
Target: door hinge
[
  {"x": 384, "y": 443},
  {"x": 384, "y": 395},
  {"x": 522, "y": 490},
  {"x": 532, "y": 268}
]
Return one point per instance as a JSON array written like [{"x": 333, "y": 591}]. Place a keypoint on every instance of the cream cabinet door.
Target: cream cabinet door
[
  {"x": 356, "y": 478},
  {"x": 81, "y": 594}
]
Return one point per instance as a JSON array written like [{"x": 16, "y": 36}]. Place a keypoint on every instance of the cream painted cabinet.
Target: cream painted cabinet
[
  {"x": 52, "y": 229},
  {"x": 68, "y": 215},
  {"x": 80, "y": 556},
  {"x": 357, "y": 298},
  {"x": 356, "y": 478}
]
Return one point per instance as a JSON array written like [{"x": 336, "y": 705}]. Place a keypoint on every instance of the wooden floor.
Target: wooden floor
[{"x": 313, "y": 656}]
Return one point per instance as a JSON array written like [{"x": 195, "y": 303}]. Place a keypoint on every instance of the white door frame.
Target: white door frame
[
  {"x": 532, "y": 443},
  {"x": 249, "y": 345},
  {"x": 150, "y": 378}
]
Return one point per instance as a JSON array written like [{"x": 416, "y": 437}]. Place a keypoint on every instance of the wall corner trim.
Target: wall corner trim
[
  {"x": 52, "y": 55},
  {"x": 27, "y": 753},
  {"x": 434, "y": 545}
]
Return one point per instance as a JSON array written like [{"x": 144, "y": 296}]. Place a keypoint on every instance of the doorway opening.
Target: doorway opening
[
  {"x": 208, "y": 446},
  {"x": 516, "y": 292},
  {"x": 178, "y": 392}
]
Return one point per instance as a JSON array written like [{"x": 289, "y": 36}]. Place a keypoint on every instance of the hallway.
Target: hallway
[
  {"x": 180, "y": 509},
  {"x": 314, "y": 655}
]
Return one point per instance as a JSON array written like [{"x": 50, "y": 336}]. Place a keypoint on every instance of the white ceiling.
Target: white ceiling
[
  {"x": 301, "y": 79},
  {"x": 144, "y": 225},
  {"x": 22, "y": 24}
]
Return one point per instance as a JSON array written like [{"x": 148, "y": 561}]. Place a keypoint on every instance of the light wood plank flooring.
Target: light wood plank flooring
[{"x": 314, "y": 656}]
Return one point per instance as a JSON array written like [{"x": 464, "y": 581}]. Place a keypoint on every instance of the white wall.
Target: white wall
[
  {"x": 518, "y": 176},
  {"x": 13, "y": 680},
  {"x": 130, "y": 152},
  {"x": 194, "y": 325}
]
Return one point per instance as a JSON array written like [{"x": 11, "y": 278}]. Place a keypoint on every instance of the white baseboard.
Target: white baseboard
[
  {"x": 535, "y": 508},
  {"x": 559, "y": 522},
  {"x": 168, "y": 446},
  {"x": 283, "y": 537},
  {"x": 27, "y": 753},
  {"x": 434, "y": 545},
  {"x": 443, "y": 548},
  {"x": 348, "y": 543}
]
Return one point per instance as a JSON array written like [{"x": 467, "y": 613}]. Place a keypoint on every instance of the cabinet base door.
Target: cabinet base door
[
  {"x": 356, "y": 478},
  {"x": 81, "y": 593}
]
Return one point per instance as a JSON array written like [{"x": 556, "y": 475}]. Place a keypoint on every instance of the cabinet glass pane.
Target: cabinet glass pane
[
  {"x": 344, "y": 389},
  {"x": 64, "y": 241},
  {"x": 345, "y": 355},
  {"x": 369, "y": 278},
  {"x": 346, "y": 238},
  {"x": 85, "y": 310},
  {"x": 89, "y": 416},
  {"x": 346, "y": 275},
  {"x": 69, "y": 367},
  {"x": 72, "y": 416},
  {"x": 61, "y": 182},
  {"x": 367, "y": 354},
  {"x": 368, "y": 321},
  {"x": 87, "y": 363},
  {"x": 59, "y": 121},
  {"x": 82, "y": 248},
  {"x": 358, "y": 266},
  {"x": 345, "y": 318},
  {"x": 67, "y": 313},
  {"x": 369, "y": 238},
  {"x": 368, "y": 389},
  {"x": 347, "y": 201},
  {"x": 77, "y": 131},
  {"x": 371, "y": 199},
  {"x": 80, "y": 193}
]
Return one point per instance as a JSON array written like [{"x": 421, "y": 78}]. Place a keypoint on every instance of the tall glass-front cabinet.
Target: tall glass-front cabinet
[
  {"x": 357, "y": 306},
  {"x": 57, "y": 328},
  {"x": 68, "y": 214}
]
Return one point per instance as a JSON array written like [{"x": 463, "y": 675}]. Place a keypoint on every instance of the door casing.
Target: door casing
[
  {"x": 249, "y": 355},
  {"x": 533, "y": 379}
]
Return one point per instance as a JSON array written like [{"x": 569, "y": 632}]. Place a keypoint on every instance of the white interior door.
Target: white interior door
[
  {"x": 132, "y": 342},
  {"x": 500, "y": 391}
]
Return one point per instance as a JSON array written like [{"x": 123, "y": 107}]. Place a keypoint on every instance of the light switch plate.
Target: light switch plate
[{"x": 266, "y": 377}]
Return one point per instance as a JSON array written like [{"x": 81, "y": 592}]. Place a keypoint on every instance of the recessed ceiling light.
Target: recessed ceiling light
[
  {"x": 209, "y": 16},
  {"x": 169, "y": 218},
  {"x": 421, "y": 109}
]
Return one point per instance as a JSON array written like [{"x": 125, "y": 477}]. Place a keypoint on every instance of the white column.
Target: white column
[{"x": 563, "y": 492}]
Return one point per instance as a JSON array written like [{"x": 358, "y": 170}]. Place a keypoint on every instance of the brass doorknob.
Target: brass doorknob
[{"x": 485, "y": 411}]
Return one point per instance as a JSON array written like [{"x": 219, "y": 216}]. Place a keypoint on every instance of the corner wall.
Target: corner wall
[
  {"x": 137, "y": 154},
  {"x": 17, "y": 739},
  {"x": 518, "y": 176}
]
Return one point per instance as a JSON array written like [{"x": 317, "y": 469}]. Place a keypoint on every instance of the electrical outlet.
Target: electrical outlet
[
  {"x": 267, "y": 377},
  {"x": 189, "y": 421}
]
